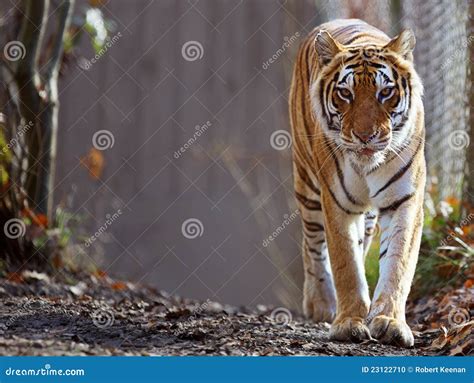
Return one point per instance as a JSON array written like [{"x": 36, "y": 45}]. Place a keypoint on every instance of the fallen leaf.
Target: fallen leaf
[
  {"x": 118, "y": 286},
  {"x": 41, "y": 220},
  {"x": 100, "y": 273},
  {"x": 94, "y": 163},
  {"x": 453, "y": 201},
  {"x": 15, "y": 277}
]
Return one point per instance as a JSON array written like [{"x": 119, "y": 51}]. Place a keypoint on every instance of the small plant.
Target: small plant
[
  {"x": 447, "y": 253},
  {"x": 33, "y": 232}
]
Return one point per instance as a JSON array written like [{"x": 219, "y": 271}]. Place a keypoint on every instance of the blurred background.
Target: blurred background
[{"x": 173, "y": 165}]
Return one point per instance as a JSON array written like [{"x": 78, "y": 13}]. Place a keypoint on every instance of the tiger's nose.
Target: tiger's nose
[{"x": 365, "y": 137}]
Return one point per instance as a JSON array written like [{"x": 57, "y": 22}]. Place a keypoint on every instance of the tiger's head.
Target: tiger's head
[{"x": 365, "y": 94}]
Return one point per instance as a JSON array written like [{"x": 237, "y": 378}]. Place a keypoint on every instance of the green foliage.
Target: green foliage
[
  {"x": 372, "y": 265},
  {"x": 5, "y": 158},
  {"x": 446, "y": 254}
]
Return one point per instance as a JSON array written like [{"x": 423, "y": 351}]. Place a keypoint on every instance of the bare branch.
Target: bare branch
[{"x": 64, "y": 20}]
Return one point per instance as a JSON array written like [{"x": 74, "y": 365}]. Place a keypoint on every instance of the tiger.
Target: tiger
[{"x": 357, "y": 128}]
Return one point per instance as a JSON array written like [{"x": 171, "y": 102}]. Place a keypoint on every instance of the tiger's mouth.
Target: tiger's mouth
[
  {"x": 369, "y": 155},
  {"x": 367, "y": 152}
]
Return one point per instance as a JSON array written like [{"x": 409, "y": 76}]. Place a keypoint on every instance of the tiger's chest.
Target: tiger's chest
[{"x": 358, "y": 190}]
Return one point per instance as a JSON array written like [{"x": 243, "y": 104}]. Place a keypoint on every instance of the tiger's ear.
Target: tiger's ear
[
  {"x": 326, "y": 47},
  {"x": 403, "y": 44}
]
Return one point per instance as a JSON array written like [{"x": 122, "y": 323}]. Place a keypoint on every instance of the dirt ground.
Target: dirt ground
[{"x": 100, "y": 316}]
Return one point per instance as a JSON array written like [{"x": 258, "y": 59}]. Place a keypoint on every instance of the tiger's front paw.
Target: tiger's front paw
[
  {"x": 391, "y": 331},
  {"x": 349, "y": 329}
]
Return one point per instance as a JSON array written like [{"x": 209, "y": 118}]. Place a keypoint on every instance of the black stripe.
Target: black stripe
[
  {"x": 352, "y": 39},
  {"x": 343, "y": 80},
  {"x": 347, "y": 29},
  {"x": 383, "y": 253},
  {"x": 308, "y": 72},
  {"x": 400, "y": 173},
  {"x": 307, "y": 180},
  {"x": 313, "y": 226},
  {"x": 347, "y": 211},
  {"x": 308, "y": 203},
  {"x": 396, "y": 204},
  {"x": 321, "y": 98},
  {"x": 395, "y": 74},
  {"x": 311, "y": 250},
  {"x": 352, "y": 57},
  {"x": 317, "y": 235},
  {"x": 375, "y": 65},
  {"x": 349, "y": 196},
  {"x": 352, "y": 66}
]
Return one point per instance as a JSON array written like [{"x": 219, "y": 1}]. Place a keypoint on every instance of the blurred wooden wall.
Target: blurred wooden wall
[{"x": 151, "y": 99}]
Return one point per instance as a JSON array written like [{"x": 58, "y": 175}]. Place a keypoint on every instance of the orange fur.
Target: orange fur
[{"x": 358, "y": 140}]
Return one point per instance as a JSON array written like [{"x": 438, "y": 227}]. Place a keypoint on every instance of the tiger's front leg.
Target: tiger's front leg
[
  {"x": 319, "y": 297},
  {"x": 344, "y": 234},
  {"x": 400, "y": 243}
]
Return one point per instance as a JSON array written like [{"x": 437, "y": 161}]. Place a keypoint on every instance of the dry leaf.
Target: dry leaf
[
  {"x": 15, "y": 277},
  {"x": 41, "y": 220},
  {"x": 119, "y": 286},
  {"x": 453, "y": 201},
  {"x": 94, "y": 163},
  {"x": 100, "y": 273}
]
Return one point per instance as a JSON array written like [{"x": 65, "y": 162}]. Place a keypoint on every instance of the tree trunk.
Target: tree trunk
[{"x": 39, "y": 100}]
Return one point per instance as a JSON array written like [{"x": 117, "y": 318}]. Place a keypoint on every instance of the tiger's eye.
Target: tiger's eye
[
  {"x": 346, "y": 93},
  {"x": 385, "y": 92}
]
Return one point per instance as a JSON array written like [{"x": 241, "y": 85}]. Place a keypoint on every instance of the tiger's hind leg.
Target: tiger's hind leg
[{"x": 319, "y": 296}]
